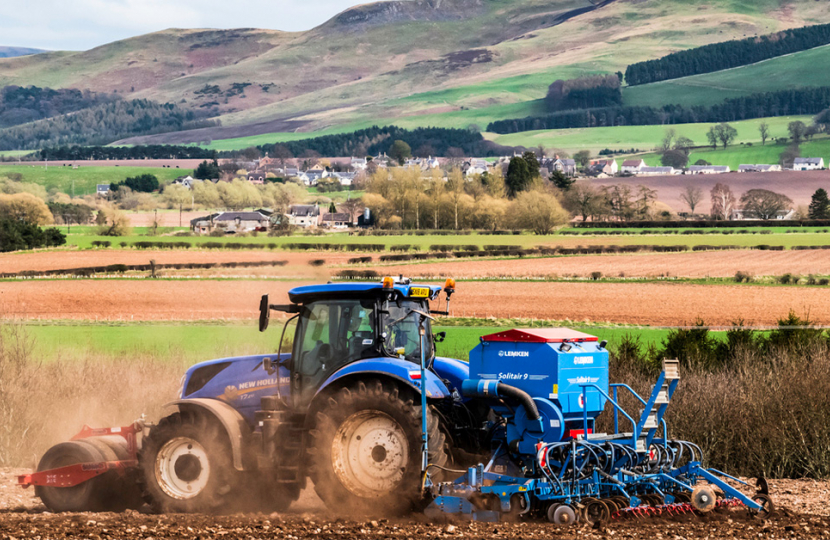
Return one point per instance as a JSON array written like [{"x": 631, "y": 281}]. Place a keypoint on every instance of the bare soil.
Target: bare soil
[
  {"x": 636, "y": 303},
  {"x": 798, "y": 185},
  {"x": 693, "y": 265},
  {"x": 802, "y": 512}
]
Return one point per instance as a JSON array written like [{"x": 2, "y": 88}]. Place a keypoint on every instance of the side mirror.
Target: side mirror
[
  {"x": 439, "y": 337},
  {"x": 264, "y": 313}
]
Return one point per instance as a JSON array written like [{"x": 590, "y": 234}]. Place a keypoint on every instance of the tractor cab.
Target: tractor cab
[{"x": 342, "y": 323}]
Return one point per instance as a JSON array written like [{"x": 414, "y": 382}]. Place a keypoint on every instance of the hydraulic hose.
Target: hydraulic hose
[{"x": 492, "y": 388}]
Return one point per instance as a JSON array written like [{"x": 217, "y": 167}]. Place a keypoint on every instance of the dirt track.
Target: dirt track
[
  {"x": 803, "y": 512},
  {"x": 638, "y": 303}
]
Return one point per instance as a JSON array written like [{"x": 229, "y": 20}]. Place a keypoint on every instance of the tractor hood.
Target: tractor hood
[{"x": 239, "y": 381}]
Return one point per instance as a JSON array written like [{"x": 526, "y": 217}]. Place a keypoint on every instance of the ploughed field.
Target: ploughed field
[
  {"x": 802, "y": 512},
  {"x": 635, "y": 303}
]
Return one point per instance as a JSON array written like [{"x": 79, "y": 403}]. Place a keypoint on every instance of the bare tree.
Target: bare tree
[
  {"x": 691, "y": 195},
  {"x": 763, "y": 129},
  {"x": 723, "y": 201},
  {"x": 582, "y": 199},
  {"x": 764, "y": 204}
]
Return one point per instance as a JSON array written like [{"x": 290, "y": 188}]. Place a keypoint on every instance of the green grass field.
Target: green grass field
[
  {"x": 782, "y": 73},
  {"x": 644, "y": 138},
  {"x": 809, "y": 237},
  {"x": 85, "y": 178},
  {"x": 737, "y": 155},
  {"x": 189, "y": 343}
]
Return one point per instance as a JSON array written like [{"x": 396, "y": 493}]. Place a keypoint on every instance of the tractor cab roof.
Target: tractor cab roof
[{"x": 333, "y": 291}]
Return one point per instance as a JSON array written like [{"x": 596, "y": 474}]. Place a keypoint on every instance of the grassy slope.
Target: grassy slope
[
  {"x": 407, "y": 80},
  {"x": 85, "y": 177},
  {"x": 734, "y": 156},
  {"x": 782, "y": 73},
  {"x": 640, "y": 137}
]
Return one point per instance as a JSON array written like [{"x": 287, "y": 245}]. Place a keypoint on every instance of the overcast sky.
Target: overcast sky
[{"x": 83, "y": 24}]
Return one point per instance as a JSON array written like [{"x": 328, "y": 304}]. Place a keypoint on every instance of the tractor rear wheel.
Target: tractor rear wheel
[
  {"x": 89, "y": 496},
  {"x": 365, "y": 450},
  {"x": 185, "y": 464}
]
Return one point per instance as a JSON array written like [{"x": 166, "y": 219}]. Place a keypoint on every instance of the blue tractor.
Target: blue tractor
[{"x": 364, "y": 408}]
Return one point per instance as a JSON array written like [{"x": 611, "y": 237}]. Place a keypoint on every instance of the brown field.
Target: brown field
[
  {"x": 165, "y": 218},
  {"x": 51, "y": 260},
  {"x": 693, "y": 265},
  {"x": 637, "y": 303},
  {"x": 797, "y": 185}
]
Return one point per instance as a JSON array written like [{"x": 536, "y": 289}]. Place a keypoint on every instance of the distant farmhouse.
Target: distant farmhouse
[
  {"x": 708, "y": 169},
  {"x": 759, "y": 168},
  {"x": 808, "y": 164},
  {"x": 231, "y": 222}
]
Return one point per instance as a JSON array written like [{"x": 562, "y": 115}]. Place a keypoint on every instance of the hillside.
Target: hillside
[
  {"x": 12, "y": 52},
  {"x": 416, "y": 62}
]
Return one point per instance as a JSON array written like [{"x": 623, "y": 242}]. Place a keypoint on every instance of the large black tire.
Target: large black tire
[
  {"x": 186, "y": 466},
  {"x": 91, "y": 496},
  {"x": 365, "y": 450},
  {"x": 124, "y": 492}
]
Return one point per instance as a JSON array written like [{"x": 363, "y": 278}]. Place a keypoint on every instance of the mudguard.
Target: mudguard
[
  {"x": 235, "y": 425},
  {"x": 452, "y": 370},
  {"x": 402, "y": 370}
]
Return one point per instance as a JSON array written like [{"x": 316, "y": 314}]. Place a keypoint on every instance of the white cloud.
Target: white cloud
[{"x": 83, "y": 24}]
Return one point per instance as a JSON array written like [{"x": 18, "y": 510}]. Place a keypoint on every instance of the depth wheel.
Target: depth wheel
[
  {"x": 767, "y": 506},
  {"x": 365, "y": 450},
  {"x": 89, "y": 496},
  {"x": 562, "y": 514},
  {"x": 595, "y": 511},
  {"x": 186, "y": 465}
]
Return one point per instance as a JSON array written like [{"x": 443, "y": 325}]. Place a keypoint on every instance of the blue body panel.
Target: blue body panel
[
  {"x": 542, "y": 370},
  {"x": 242, "y": 383},
  {"x": 403, "y": 370},
  {"x": 452, "y": 370}
]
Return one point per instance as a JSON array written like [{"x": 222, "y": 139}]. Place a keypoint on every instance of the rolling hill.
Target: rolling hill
[
  {"x": 413, "y": 63},
  {"x": 12, "y": 52}
]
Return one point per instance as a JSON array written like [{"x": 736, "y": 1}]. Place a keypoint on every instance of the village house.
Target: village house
[
  {"x": 475, "y": 166},
  {"x": 708, "y": 169},
  {"x": 759, "y": 168},
  {"x": 359, "y": 163},
  {"x": 345, "y": 178},
  {"x": 186, "y": 181},
  {"x": 565, "y": 166},
  {"x": 337, "y": 220},
  {"x": 304, "y": 215},
  {"x": 808, "y": 164},
  {"x": 103, "y": 190},
  {"x": 231, "y": 222},
  {"x": 608, "y": 167},
  {"x": 632, "y": 166},
  {"x": 738, "y": 214},
  {"x": 257, "y": 178}
]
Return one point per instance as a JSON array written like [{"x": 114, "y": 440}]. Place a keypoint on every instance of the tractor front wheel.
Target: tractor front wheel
[
  {"x": 185, "y": 463},
  {"x": 366, "y": 449}
]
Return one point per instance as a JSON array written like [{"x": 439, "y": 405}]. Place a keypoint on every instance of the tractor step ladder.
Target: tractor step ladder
[{"x": 661, "y": 394}]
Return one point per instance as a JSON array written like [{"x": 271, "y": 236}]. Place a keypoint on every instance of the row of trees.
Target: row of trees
[
  {"x": 586, "y": 92},
  {"x": 728, "y": 54},
  {"x": 376, "y": 140},
  {"x": 102, "y": 124},
  {"x": 781, "y": 103},
  {"x": 156, "y": 151},
  {"x": 754, "y": 203}
]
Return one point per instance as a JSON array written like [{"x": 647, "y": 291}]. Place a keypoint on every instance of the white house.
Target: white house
[
  {"x": 476, "y": 166},
  {"x": 808, "y": 164},
  {"x": 103, "y": 190},
  {"x": 759, "y": 168},
  {"x": 304, "y": 215},
  {"x": 345, "y": 178},
  {"x": 359, "y": 163},
  {"x": 658, "y": 171},
  {"x": 339, "y": 220},
  {"x": 738, "y": 214},
  {"x": 231, "y": 222},
  {"x": 186, "y": 181},
  {"x": 708, "y": 169},
  {"x": 632, "y": 166}
]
